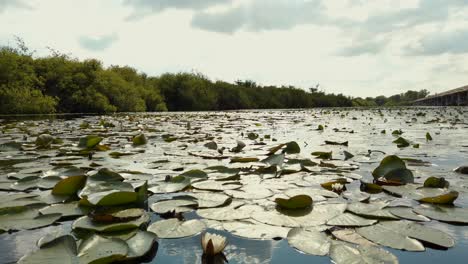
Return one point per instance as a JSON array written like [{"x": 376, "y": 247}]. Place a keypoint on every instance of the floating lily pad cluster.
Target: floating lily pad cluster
[{"x": 126, "y": 181}]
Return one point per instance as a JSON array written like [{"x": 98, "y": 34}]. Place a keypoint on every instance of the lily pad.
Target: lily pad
[
  {"x": 342, "y": 253},
  {"x": 61, "y": 250},
  {"x": 70, "y": 185},
  {"x": 444, "y": 213},
  {"x": 98, "y": 249},
  {"x": 385, "y": 236},
  {"x": 295, "y": 202},
  {"x": 348, "y": 220},
  {"x": 176, "y": 205},
  {"x": 174, "y": 228},
  {"x": 255, "y": 230},
  {"x": 309, "y": 241},
  {"x": 139, "y": 140},
  {"x": 89, "y": 142},
  {"x": 87, "y": 223}
]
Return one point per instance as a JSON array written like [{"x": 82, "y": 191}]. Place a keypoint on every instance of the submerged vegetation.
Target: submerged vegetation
[{"x": 60, "y": 84}]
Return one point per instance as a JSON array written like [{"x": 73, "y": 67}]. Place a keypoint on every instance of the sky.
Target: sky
[{"x": 355, "y": 47}]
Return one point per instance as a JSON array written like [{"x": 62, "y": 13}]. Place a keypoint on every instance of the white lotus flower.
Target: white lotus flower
[
  {"x": 213, "y": 244},
  {"x": 337, "y": 187}
]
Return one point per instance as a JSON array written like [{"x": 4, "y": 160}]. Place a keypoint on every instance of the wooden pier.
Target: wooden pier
[{"x": 457, "y": 97}]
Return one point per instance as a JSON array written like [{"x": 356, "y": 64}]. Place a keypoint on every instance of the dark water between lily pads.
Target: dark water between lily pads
[{"x": 363, "y": 129}]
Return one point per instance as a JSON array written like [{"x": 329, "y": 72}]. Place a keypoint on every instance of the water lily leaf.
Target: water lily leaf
[
  {"x": 309, "y": 241},
  {"x": 140, "y": 244},
  {"x": 462, "y": 169},
  {"x": 252, "y": 136},
  {"x": 105, "y": 174},
  {"x": 428, "y": 136},
  {"x": 234, "y": 211},
  {"x": 292, "y": 148},
  {"x": 400, "y": 176},
  {"x": 447, "y": 198},
  {"x": 61, "y": 250},
  {"x": 26, "y": 183},
  {"x": 328, "y": 142},
  {"x": 240, "y": 146},
  {"x": 177, "y": 205},
  {"x": 322, "y": 155},
  {"x": 44, "y": 141},
  {"x": 356, "y": 196},
  {"x": 170, "y": 187},
  {"x": 250, "y": 192},
  {"x": 401, "y": 142},
  {"x": 318, "y": 215},
  {"x": 209, "y": 200},
  {"x": 211, "y": 145},
  {"x": 212, "y": 185},
  {"x": 444, "y": 213},
  {"x": 243, "y": 159},
  {"x": 87, "y": 223},
  {"x": 194, "y": 174},
  {"x": 420, "y": 232},
  {"x": 296, "y": 202},
  {"x": 174, "y": 228},
  {"x": 67, "y": 209},
  {"x": 436, "y": 182},
  {"x": 274, "y": 160},
  {"x": 89, "y": 142},
  {"x": 370, "y": 187},
  {"x": 112, "y": 198},
  {"x": 383, "y": 235},
  {"x": 26, "y": 218},
  {"x": 101, "y": 186},
  {"x": 408, "y": 213},
  {"x": 347, "y": 155},
  {"x": 13, "y": 201},
  {"x": 347, "y": 220},
  {"x": 98, "y": 249},
  {"x": 255, "y": 230},
  {"x": 70, "y": 185},
  {"x": 394, "y": 169},
  {"x": 350, "y": 235},
  {"x": 139, "y": 140},
  {"x": 371, "y": 210},
  {"x": 342, "y": 253}
]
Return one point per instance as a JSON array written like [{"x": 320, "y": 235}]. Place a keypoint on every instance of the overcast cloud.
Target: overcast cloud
[{"x": 355, "y": 47}]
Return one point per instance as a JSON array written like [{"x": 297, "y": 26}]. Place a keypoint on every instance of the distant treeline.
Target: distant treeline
[{"x": 60, "y": 84}]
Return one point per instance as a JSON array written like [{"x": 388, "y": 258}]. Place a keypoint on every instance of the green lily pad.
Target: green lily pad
[
  {"x": 296, "y": 202},
  {"x": 26, "y": 218},
  {"x": 87, "y": 223},
  {"x": 394, "y": 169},
  {"x": 194, "y": 174},
  {"x": 322, "y": 155},
  {"x": 211, "y": 145},
  {"x": 61, "y": 250},
  {"x": 383, "y": 235},
  {"x": 67, "y": 209},
  {"x": 401, "y": 142},
  {"x": 139, "y": 140},
  {"x": 105, "y": 174},
  {"x": 176, "y": 205},
  {"x": 209, "y": 200},
  {"x": 70, "y": 185},
  {"x": 234, "y": 211},
  {"x": 309, "y": 241},
  {"x": 44, "y": 141},
  {"x": 347, "y": 220},
  {"x": 447, "y": 214},
  {"x": 98, "y": 249},
  {"x": 174, "y": 228},
  {"x": 255, "y": 230},
  {"x": 436, "y": 182},
  {"x": 446, "y": 198},
  {"x": 112, "y": 198},
  {"x": 89, "y": 142},
  {"x": 341, "y": 253}
]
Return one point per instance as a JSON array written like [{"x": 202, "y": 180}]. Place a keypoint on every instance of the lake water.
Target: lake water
[{"x": 159, "y": 158}]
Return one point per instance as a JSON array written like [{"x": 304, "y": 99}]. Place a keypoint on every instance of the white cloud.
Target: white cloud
[{"x": 348, "y": 46}]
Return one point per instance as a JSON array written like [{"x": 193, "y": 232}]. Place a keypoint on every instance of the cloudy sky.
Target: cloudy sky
[{"x": 355, "y": 47}]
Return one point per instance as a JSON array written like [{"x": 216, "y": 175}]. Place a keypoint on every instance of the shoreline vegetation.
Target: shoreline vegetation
[{"x": 58, "y": 83}]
